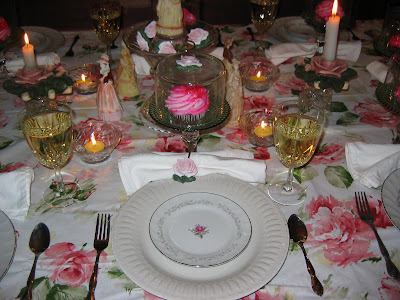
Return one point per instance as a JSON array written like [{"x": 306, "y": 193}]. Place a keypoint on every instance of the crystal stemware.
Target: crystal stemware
[
  {"x": 297, "y": 130},
  {"x": 106, "y": 21},
  {"x": 263, "y": 14}
]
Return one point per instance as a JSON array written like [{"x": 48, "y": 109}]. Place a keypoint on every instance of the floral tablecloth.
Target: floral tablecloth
[{"x": 343, "y": 249}]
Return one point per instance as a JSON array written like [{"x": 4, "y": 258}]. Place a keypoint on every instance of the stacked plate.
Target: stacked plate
[{"x": 215, "y": 238}]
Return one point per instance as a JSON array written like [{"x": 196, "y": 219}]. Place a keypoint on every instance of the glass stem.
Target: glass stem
[
  {"x": 59, "y": 180},
  {"x": 110, "y": 60},
  {"x": 261, "y": 41},
  {"x": 288, "y": 186}
]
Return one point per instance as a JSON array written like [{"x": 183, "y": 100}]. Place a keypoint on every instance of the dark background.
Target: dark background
[{"x": 73, "y": 14}]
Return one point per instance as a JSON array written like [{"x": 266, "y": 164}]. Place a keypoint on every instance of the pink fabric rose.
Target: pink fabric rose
[
  {"x": 69, "y": 266},
  {"x": 166, "y": 48},
  {"x": 324, "y": 10},
  {"x": 150, "y": 29},
  {"x": 142, "y": 43},
  {"x": 185, "y": 167},
  {"x": 328, "y": 68},
  {"x": 395, "y": 41},
  {"x": 4, "y": 29},
  {"x": 188, "y": 18},
  {"x": 333, "y": 227},
  {"x": 197, "y": 35}
]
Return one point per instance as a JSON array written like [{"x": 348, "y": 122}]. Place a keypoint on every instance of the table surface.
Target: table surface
[{"x": 343, "y": 249}]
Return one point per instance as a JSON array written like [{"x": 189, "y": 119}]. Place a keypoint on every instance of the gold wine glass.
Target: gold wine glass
[
  {"x": 47, "y": 127},
  {"x": 297, "y": 131},
  {"x": 106, "y": 20},
  {"x": 263, "y": 14}
]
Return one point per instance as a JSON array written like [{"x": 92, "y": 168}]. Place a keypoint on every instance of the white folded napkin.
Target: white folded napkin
[
  {"x": 371, "y": 164},
  {"x": 15, "y": 192},
  {"x": 140, "y": 169},
  {"x": 142, "y": 67},
  {"x": 43, "y": 59},
  {"x": 279, "y": 53},
  {"x": 378, "y": 70}
]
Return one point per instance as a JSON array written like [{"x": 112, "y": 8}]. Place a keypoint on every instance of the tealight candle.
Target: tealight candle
[
  {"x": 263, "y": 130},
  {"x": 29, "y": 54},
  {"x": 331, "y": 35},
  {"x": 258, "y": 77},
  {"x": 85, "y": 85},
  {"x": 93, "y": 145}
]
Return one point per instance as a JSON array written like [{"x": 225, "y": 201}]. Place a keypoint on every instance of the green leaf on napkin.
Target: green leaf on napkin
[
  {"x": 338, "y": 107},
  {"x": 338, "y": 176},
  {"x": 5, "y": 142},
  {"x": 305, "y": 173},
  {"x": 347, "y": 119}
]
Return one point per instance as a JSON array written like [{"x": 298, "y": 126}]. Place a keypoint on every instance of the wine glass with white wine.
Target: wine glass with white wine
[
  {"x": 263, "y": 14},
  {"x": 106, "y": 20},
  {"x": 297, "y": 131},
  {"x": 47, "y": 126}
]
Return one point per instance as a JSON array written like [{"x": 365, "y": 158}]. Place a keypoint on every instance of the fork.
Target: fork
[
  {"x": 70, "y": 52},
  {"x": 365, "y": 214},
  {"x": 101, "y": 238}
]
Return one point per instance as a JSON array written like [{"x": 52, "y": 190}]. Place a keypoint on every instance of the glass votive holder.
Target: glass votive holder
[
  {"x": 86, "y": 78},
  {"x": 94, "y": 141},
  {"x": 259, "y": 76},
  {"x": 322, "y": 98},
  {"x": 257, "y": 125}
]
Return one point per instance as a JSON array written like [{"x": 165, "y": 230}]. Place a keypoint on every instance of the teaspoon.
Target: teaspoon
[
  {"x": 298, "y": 233},
  {"x": 38, "y": 243}
]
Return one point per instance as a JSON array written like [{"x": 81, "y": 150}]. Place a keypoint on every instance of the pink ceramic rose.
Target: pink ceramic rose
[
  {"x": 68, "y": 265},
  {"x": 328, "y": 68},
  {"x": 4, "y": 29},
  {"x": 324, "y": 10},
  {"x": 142, "y": 42},
  {"x": 395, "y": 41},
  {"x": 150, "y": 29},
  {"x": 197, "y": 35},
  {"x": 343, "y": 238},
  {"x": 166, "y": 48},
  {"x": 185, "y": 167}
]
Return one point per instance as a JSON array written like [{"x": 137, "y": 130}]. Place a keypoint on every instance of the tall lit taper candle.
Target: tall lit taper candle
[
  {"x": 29, "y": 54},
  {"x": 331, "y": 34}
]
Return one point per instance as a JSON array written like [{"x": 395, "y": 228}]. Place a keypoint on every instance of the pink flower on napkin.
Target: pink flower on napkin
[
  {"x": 185, "y": 167},
  {"x": 395, "y": 41},
  {"x": 4, "y": 29},
  {"x": 328, "y": 68},
  {"x": 324, "y": 10},
  {"x": 68, "y": 265}
]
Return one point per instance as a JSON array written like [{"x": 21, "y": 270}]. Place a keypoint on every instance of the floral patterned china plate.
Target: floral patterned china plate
[
  {"x": 391, "y": 197},
  {"x": 200, "y": 229},
  {"x": 147, "y": 267},
  {"x": 8, "y": 244}
]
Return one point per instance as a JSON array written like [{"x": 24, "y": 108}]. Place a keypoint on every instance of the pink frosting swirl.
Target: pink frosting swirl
[
  {"x": 4, "y": 29},
  {"x": 188, "y": 99}
]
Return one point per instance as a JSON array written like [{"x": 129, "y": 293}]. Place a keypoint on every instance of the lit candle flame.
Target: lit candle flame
[
  {"x": 334, "y": 8},
  {"x": 258, "y": 74},
  {"x": 26, "y": 39},
  {"x": 263, "y": 124},
  {"x": 83, "y": 77},
  {"x": 93, "y": 139}
]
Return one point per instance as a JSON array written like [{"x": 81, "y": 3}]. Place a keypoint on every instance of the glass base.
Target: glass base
[{"x": 277, "y": 191}]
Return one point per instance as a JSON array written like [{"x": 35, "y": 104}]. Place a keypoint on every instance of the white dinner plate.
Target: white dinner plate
[
  {"x": 391, "y": 197},
  {"x": 8, "y": 244},
  {"x": 200, "y": 229},
  {"x": 145, "y": 265}
]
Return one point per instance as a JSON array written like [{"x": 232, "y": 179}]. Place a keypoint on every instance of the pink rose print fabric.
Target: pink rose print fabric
[
  {"x": 68, "y": 265},
  {"x": 390, "y": 289},
  {"x": 375, "y": 114},
  {"x": 254, "y": 102},
  {"x": 172, "y": 143},
  {"x": 328, "y": 154}
]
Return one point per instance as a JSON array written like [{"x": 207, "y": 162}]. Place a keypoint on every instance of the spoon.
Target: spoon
[
  {"x": 39, "y": 242},
  {"x": 298, "y": 233},
  {"x": 70, "y": 52}
]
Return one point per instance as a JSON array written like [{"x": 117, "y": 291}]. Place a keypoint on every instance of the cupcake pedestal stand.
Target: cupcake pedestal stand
[{"x": 190, "y": 133}]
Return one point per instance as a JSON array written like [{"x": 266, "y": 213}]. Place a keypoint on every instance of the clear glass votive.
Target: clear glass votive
[
  {"x": 257, "y": 125},
  {"x": 321, "y": 97},
  {"x": 91, "y": 80},
  {"x": 95, "y": 141},
  {"x": 259, "y": 76}
]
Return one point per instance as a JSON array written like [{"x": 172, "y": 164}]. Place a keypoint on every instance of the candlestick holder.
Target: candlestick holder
[
  {"x": 94, "y": 141},
  {"x": 257, "y": 125},
  {"x": 259, "y": 76},
  {"x": 91, "y": 81}
]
